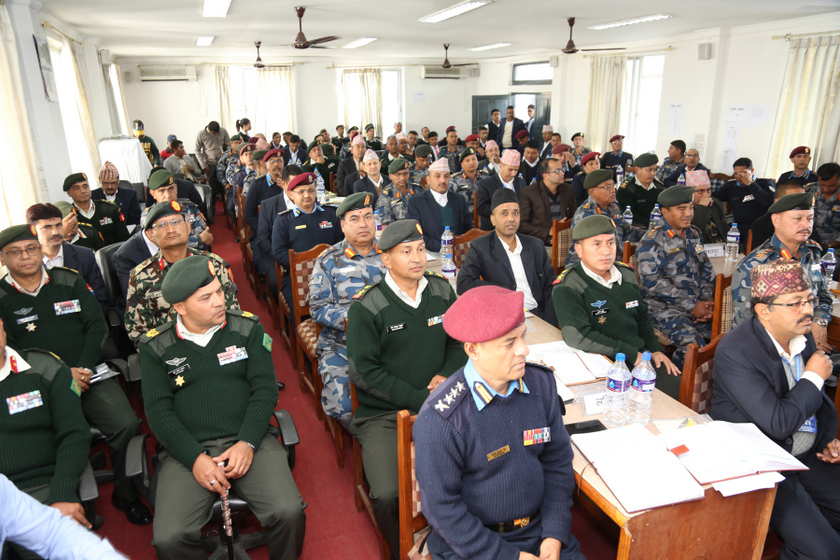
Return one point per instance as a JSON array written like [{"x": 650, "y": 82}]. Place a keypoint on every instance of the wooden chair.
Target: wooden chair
[
  {"x": 461, "y": 245},
  {"x": 696, "y": 383},
  {"x": 244, "y": 243},
  {"x": 331, "y": 184},
  {"x": 561, "y": 242},
  {"x": 749, "y": 242},
  {"x": 284, "y": 312},
  {"x": 629, "y": 256},
  {"x": 306, "y": 330},
  {"x": 362, "y": 490},
  {"x": 724, "y": 308},
  {"x": 413, "y": 525}
]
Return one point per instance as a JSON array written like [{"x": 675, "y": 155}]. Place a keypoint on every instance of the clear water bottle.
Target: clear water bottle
[
  {"x": 640, "y": 397},
  {"x": 681, "y": 179},
  {"x": 733, "y": 237},
  {"x": 521, "y": 177},
  {"x": 829, "y": 263},
  {"x": 619, "y": 175},
  {"x": 448, "y": 268},
  {"x": 321, "y": 190},
  {"x": 655, "y": 214},
  {"x": 615, "y": 396},
  {"x": 378, "y": 221},
  {"x": 446, "y": 243},
  {"x": 628, "y": 216}
]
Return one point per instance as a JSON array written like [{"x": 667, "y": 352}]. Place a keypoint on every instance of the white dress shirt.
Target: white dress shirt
[
  {"x": 57, "y": 261},
  {"x": 200, "y": 339},
  {"x": 615, "y": 276},
  {"x": 421, "y": 285},
  {"x": 20, "y": 363},
  {"x": 519, "y": 276},
  {"x": 440, "y": 198}
]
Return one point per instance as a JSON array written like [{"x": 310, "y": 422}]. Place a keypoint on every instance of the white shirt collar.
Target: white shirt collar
[
  {"x": 86, "y": 214},
  {"x": 440, "y": 198},
  {"x": 652, "y": 185},
  {"x": 376, "y": 183},
  {"x": 615, "y": 276},
  {"x": 20, "y": 363},
  {"x": 531, "y": 164},
  {"x": 517, "y": 250},
  {"x": 57, "y": 261},
  {"x": 111, "y": 197},
  {"x": 22, "y": 290},
  {"x": 507, "y": 185},
  {"x": 200, "y": 339},
  {"x": 421, "y": 285},
  {"x": 796, "y": 344},
  {"x": 153, "y": 248}
]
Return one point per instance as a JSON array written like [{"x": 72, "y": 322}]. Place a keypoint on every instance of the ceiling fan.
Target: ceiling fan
[
  {"x": 258, "y": 63},
  {"x": 572, "y": 49},
  {"x": 301, "y": 41},
  {"x": 446, "y": 63}
]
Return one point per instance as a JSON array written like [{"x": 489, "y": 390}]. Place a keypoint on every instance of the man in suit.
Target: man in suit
[
  {"x": 374, "y": 181},
  {"x": 296, "y": 154},
  {"x": 547, "y": 145},
  {"x": 508, "y": 130},
  {"x": 433, "y": 143},
  {"x": 438, "y": 207},
  {"x": 530, "y": 166},
  {"x": 269, "y": 210},
  {"x": 111, "y": 191},
  {"x": 514, "y": 261},
  {"x": 506, "y": 178},
  {"x": 262, "y": 189},
  {"x": 493, "y": 125},
  {"x": 552, "y": 198},
  {"x": 137, "y": 249},
  {"x": 350, "y": 165},
  {"x": 778, "y": 386},
  {"x": 529, "y": 124}
]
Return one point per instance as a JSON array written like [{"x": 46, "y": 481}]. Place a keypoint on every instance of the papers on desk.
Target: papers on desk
[
  {"x": 748, "y": 483},
  {"x": 566, "y": 394},
  {"x": 570, "y": 366},
  {"x": 637, "y": 468},
  {"x": 714, "y": 250}
]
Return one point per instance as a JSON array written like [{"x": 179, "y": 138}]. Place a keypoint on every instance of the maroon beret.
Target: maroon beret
[
  {"x": 253, "y": 139},
  {"x": 471, "y": 138},
  {"x": 800, "y": 150},
  {"x": 589, "y": 157},
  {"x": 247, "y": 147},
  {"x": 302, "y": 179},
  {"x": 449, "y": 129},
  {"x": 560, "y": 148},
  {"x": 616, "y": 137},
  {"x": 273, "y": 152},
  {"x": 484, "y": 313},
  {"x": 521, "y": 134}
]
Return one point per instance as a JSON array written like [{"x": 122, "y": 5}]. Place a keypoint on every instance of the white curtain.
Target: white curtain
[
  {"x": 21, "y": 181},
  {"x": 808, "y": 114},
  {"x": 272, "y": 102},
  {"x": 361, "y": 90},
  {"x": 605, "y": 88},
  {"x": 119, "y": 98},
  {"x": 80, "y": 71},
  {"x": 223, "y": 87}
]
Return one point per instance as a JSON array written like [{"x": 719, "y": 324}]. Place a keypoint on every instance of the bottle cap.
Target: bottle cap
[
  {"x": 734, "y": 224},
  {"x": 831, "y": 249},
  {"x": 646, "y": 355},
  {"x": 447, "y": 228},
  {"x": 619, "y": 357}
]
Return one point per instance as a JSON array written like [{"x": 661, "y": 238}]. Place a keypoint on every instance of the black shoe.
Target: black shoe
[
  {"x": 135, "y": 511},
  {"x": 280, "y": 385}
]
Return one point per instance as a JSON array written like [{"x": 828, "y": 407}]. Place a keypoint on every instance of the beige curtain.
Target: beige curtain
[
  {"x": 605, "y": 87},
  {"x": 82, "y": 96},
  {"x": 807, "y": 113},
  {"x": 272, "y": 101},
  {"x": 21, "y": 181},
  {"x": 226, "y": 119},
  {"x": 362, "y": 95}
]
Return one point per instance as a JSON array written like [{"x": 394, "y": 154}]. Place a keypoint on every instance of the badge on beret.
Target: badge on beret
[
  {"x": 32, "y": 229},
  {"x": 171, "y": 180},
  {"x": 175, "y": 206},
  {"x": 419, "y": 229},
  {"x": 367, "y": 200},
  {"x": 210, "y": 268},
  {"x": 85, "y": 176},
  {"x": 807, "y": 150}
]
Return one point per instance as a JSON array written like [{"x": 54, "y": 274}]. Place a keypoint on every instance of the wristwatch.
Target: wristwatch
[{"x": 821, "y": 321}]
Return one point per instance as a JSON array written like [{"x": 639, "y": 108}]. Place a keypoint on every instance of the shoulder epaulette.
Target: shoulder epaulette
[
  {"x": 44, "y": 352},
  {"x": 324, "y": 252},
  {"x": 106, "y": 201},
  {"x": 361, "y": 293},
  {"x": 449, "y": 394},
  {"x": 653, "y": 231},
  {"x": 539, "y": 365},
  {"x": 435, "y": 274},
  {"x": 624, "y": 264},
  {"x": 63, "y": 275},
  {"x": 243, "y": 314},
  {"x": 562, "y": 275},
  {"x": 284, "y": 212},
  {"x": 813, "y": 244},
  {"x": 152, "y": 333}
]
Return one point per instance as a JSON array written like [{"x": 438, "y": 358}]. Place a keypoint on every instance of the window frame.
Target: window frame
[{"x": 516, "y": 82}]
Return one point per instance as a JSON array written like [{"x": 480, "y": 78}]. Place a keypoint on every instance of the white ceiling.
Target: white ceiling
[{"x": 152, "y": 28}]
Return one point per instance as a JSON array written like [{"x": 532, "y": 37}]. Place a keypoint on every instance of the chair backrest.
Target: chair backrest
[
  {"x": 411, "y": 515},
  {"x": 476, "y": 222},
  {"x": 629, "y": 257},
  {"x": 696, "y": 383},
  {"x": 140, "y": 189},
  {"x": 105, "y": 261},
  {"x": 461, "y": 245},
  {"x": 301, "y": 265},
  {"x": 561, "y": 241},
  {"x": 206, "y": 195},
  {"x": 724, "y": 309},
  {"x": 749, "y": 242},
  {"x": 126, "y": 184},
  {"x": 331, "y": 186}
]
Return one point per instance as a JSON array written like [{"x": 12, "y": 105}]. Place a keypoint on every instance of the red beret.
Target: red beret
[
  {"x": 253, "y": 139},
  {"x": 247, "y": 147},
  {"x": 471, "y": 138},
  {"x": 800, "y": 150},
  {"x": 560, "y": 148},
  {"x": 521, "y": 134},
  {"x": 616, "y": 137},
  {"x": 449, "y": 129},
  {"x": 484, "y": 313},
  {"x": 302, "y": 179},
  {"x": 589, "y": 157},
  {"x": 352, "y": 134},
  {"x": 274, "y": 152}
]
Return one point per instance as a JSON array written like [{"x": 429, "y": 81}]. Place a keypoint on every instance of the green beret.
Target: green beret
[
  {"x": 73, "y": 179},
  {"x": 646, "y": 160},
  {"x": 502, "y": 196},
  {"x": 423, "y": 150},
  {"x": 328, "y": 149},
  {"x": 398, "y": 165},
  {"x": 401, "y": 231},
  {"x": 467, "y": 152},
  {"x": 185, "y": 277},
  {"x": 160, "y": 178},
  {"x": 161, "y": 210},
  {"x": 798, "y": 201},
  {"x": 675, "y": 195},
  {"x": 236, "y": 137},
  {"x": 259, "y": 155},
  {"x": 355, "y": 201},
  {"x": 597, "y": 177},
  {"x": 17, "y": 233},
  {"x": 65, "y": 207},
  {"x": 593, "y": 225}
]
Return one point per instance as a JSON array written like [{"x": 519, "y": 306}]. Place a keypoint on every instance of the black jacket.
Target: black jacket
[
  {"x": 269, "y": 210},
  {"x": 345, "y": 168},
  {"x": 484, "y": 194},
  {"x": 366, "y": 185},
  {"x": 129, "y": 255},
  {"x": 126, "y": 199},
  {"x": 424, "y": 208},
  {"x": 517, "y": 125},
  {"x": 83, "y": 261}
]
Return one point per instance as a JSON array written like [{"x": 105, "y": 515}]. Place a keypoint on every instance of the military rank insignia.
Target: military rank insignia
[
  {"x": 450, "y": 397},
  {"x": 435, "y": 320},
  {"x": 74, "y": 386},
  {"x": 267, "y": 342},
  {"x": 535, "y": 437}
]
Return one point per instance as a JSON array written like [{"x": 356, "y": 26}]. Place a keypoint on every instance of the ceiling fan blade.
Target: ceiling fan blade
[
  {"x": 326, "y": 39},
  {"x": 320, "y": 47},
  {"x": 612, "y": 49},
  {"x": 465, "y": 64}
]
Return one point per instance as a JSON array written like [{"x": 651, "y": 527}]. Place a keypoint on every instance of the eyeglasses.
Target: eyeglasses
[
  {"x": 703, "y": 191},
  {"x": 160, "y": 226},
  {"x": 17, "y": 253},
  {"x": 558, "y": 171},
  {"x": 801, "y": 304},
  {"x": 607, "y": 188}
]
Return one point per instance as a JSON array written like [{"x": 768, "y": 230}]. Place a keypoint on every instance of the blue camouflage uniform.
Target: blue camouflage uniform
[
  {"x": 668, "y": 166},
  {"x": 249, "y": 180},
  {"x": 339, "y": 274},
  {"x": 222, "y": 166},
  {"x": 193, "y": 216},
  {"x": 416, "y": 175},
  {"x": 827, "y": 218},
  {"x": 452, "y": 156},
  {"x": 622, "y": 230},
  {"x": 393, "y": 205},
  {"x": 461, "y": 184},
  {"x": 675, "y": 274},
  {"x": 769, "y": 251},
  {"x": 234, "y": 166}
]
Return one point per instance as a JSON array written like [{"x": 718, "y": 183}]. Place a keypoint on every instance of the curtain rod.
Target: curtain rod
[
  {"x": 632, "y": 53},
  {"x": 790, "y": 36},
  {"x": 282, "y": 65},
  {"x": 48, "y": 25}
]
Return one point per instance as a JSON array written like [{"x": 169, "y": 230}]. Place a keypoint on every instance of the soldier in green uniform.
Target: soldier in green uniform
[
  {"x": 145, "y": 306},
  {"x": 210, "y": 389},
  {"x": 78, "y": 232},
  {"x": 56, "y": 311},
  {"x": 103, "y": 216},
  {"x": 371, "y": 140},
  {"x": 398, "y": 352},
  {"x": 320, "y": 161},
  {"x": 641, "y": 191}
]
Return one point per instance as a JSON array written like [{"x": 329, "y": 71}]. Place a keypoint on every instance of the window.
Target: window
[
  {"x": 391, "y": 100},
  {"x": 116, "y": 104},
  {"x": 370, "y": 95},
  {"x": 640, "y": 103},
  {"x": 535, "y": 73},
  {"x": 264, "y": 95},
  {"x": 520, "y": 105}
]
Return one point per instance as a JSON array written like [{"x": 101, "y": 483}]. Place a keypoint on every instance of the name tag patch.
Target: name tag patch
[
  {"x": 325, "y": 225},
  {"x": 232, "y": 354},
  {"x": 435, "y": 320},
  {"x": 66, "y": 307},
  {"x": 535, "y": 437},
  {"x": 748, "y": 198},
  {"x": 24, "y": 320},
  {"x": 631, "y": 304},
  {"x": 301, "y": 226},
  {"x": 810, "y": 425},
  {"x": 498, "y": 453},
  {"x": 816, "y": 267},
  {"x": 699, "y": 248},
  {"x": 599, "y": 312},
  {"x": 180, "y": 370},
  {"x": 25, "y": 401},
  {"x": 401, "y": 326}
]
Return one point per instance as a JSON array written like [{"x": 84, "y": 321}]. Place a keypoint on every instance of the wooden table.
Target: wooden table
[{"x": 714, "y": 527}]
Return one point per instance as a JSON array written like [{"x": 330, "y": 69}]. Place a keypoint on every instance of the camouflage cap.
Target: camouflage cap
[
  {"x": 777, "y": 278},
  {"x": 597, "y": 177},
  {"x": 593, "y": 225},
  {"x": 355, "y": 201},
  {"x": 797, "y": 201},
  {"x": 73, "y": 179},
  {"x": 423, "y": 150},
  {"x": 646, "y": 160},
  {"x": 160, "y": 178},
  {"x": 185, "y": 277},
  {"x": 12, "y": 234},
  {"x": 401, "y": 231},
  {"x": 398, "y": 165},
  {"x": 675, "y": 195},
  {"x": 161, "y": 210}
]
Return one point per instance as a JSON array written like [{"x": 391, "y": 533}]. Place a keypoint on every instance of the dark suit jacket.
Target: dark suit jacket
[
  {"x": 127, "y": 201},
  {"x": 493, "y": 131},
  {"x": 186, "y": 189},
  {"x": 714, "y": 213},
  {"x": 260, "y": 190},
  {"x": 366, "y": 185},
  {"x": 546, "y": 151},
  {"x": 83, "y": 261},
  {"x": 424, "y": 208},
  {"x": 487, "y": 264},
  {"x": 302, "y": 155},
  {"x": 752, "y": 387},
  {"x": 517, "y": 126},
  {"x": 345, "y": 168},
  {"x": 486, "y": 188},
  {"x": 269, "y": 210},
  {"x": 130, "y": 254},
  {"x": 535, "y": 209},
  {"x": 349, "y": 181}
]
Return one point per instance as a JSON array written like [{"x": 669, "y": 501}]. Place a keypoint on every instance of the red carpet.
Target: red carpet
[{"x": 334, "y": 529}]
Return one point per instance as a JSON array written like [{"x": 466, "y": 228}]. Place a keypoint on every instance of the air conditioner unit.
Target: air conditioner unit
[
  {"x": 438, "y": 73},
  {"x": 155, "y": 73}
]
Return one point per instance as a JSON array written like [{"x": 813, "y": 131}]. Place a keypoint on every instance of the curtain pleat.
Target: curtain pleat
[{"x": 605, "y": 89}]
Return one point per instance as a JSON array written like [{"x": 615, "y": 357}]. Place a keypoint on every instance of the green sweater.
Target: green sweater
[
  {"x": 191, "y": 398},
  {"x": 73, "y": 331},
  {"x": 603, "y": 320},
  {"x": 47, "y": 444},
  {"x": 394, "y": 350}
]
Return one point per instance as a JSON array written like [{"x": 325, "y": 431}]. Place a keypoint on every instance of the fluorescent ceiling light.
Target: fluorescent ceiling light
[
  {"x": 645, "y": 19},
  {"x": 216, "y": 8},
  {"x": 455, "y": 10},
  {"x": 488, "y": 47},
  {"x": 204, "y": 41},
  {"x": 360, "y": 42}
]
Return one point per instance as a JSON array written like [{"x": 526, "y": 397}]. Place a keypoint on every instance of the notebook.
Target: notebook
[{"x": 570, "y": 366}]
